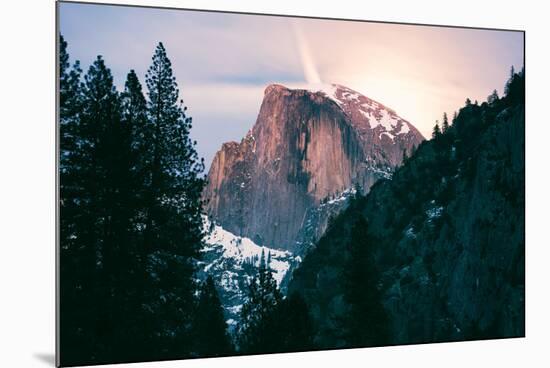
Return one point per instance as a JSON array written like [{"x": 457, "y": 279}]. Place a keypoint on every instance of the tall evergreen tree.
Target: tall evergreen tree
[
  {"x": 136, "y": 121},
  {"x": 93, "y": 212},
  {"x": 210, "y": 335},
  {"x": 135, "y": 116},
  {"x": 509, "y": 81},
  {"x": 176, "y": 186},
  {"x": 73, "y": 290},
  {"x": 173, "y": 224},
  {"x": 367, "y": 321},
  {"x": 493, "y": 97},
  {"x": 103, "y": 169},
  {"x": 100, "y": 131},
  {"x": 436, "y": 131},
  {"x": 70, "y": 104},
  {"x": 133, "y": 329},
  {"x": 445, "y": 124}
]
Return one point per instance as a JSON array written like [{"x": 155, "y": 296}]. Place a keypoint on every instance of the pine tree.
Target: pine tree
[
  {"x": 493, "y": 97},
  {"x": 74, "y": 270},
  {"x": 103, "y": 163},
  {"x": 210, "y": 336},
  {"x": 100, "y": 134},
  {"x": 134, "y": 117},
  {"x": 173, "y": 225},
  {"x": 174, "y": 175},
  {"x": 445, "y": 124},
  {"x": 436, "y": 131},
  {"x": 94, "y": 209},
  {"x": 134, "y": 114},
  {"x": 134, "y": 328},
  {"x": 70, "y": 104},
  {"x": 510, "y": 80},
  {"x": 367, "y": 321}
]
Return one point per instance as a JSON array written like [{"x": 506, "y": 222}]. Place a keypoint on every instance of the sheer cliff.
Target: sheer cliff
[{"x": 306, "y": 146}]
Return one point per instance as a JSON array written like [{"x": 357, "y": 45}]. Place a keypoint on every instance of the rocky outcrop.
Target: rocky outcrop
[{"x": 306, "y": 145}]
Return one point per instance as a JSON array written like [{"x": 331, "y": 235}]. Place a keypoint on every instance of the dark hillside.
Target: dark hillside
[{"x": 446, "y": 234}]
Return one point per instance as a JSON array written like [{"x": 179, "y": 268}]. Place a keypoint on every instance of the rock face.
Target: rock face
[{"x": 306, "y": 145}]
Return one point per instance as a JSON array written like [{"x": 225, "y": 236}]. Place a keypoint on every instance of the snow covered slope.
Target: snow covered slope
[
  {"x": 365, "y": 112},
  {"x": 233, "y": 260}
]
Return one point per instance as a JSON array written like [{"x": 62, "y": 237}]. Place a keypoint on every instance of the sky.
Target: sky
[{"x": 223, "y": 62}]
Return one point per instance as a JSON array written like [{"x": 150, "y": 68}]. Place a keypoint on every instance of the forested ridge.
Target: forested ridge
[{"x": 437, "y": 253}]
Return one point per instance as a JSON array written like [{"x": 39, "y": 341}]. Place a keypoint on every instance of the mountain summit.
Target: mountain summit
[{"x": 307, "y": 145}]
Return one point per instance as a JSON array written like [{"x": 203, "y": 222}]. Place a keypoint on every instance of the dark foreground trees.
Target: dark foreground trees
[
  {"x": 366, "y": 323},
  {"x": 263, "y": 299},
  {"x": 270, "y": 323},
  {"x": 130, "y": 223},
  {"x": 210, "y": 337}
]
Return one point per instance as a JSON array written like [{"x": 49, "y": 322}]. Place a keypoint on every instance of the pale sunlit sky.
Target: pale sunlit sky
[{"x": 223, "y": 62}]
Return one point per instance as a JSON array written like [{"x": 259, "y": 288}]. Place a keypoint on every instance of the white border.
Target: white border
[{"x": 27, "y": 184}]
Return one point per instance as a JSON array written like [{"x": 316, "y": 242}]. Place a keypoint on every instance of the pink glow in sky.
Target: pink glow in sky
[{"x": 223, "y": 62}]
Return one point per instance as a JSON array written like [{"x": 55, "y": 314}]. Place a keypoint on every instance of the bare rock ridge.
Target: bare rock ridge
[{"x": 306, "y": 145}]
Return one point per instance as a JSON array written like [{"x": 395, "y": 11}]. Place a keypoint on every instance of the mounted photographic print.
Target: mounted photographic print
[{"x": 235, "y": 184}]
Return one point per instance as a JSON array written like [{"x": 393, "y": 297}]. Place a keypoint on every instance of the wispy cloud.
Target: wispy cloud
[{"x": 308, "y": 64}]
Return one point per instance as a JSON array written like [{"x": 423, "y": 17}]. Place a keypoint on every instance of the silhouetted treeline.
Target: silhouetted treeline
[{"x": 130, "y": 221}]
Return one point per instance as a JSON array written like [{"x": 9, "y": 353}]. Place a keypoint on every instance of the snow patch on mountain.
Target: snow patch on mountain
[
  {"x": 376, "y": 114},
  {"x": 233, "y": 261},
  {"x": 242, "y": 249},
  {"x": 404, "y": 128}
]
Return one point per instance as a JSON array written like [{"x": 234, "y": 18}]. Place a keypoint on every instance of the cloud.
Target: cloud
[{"x": 310, "y": 70}]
